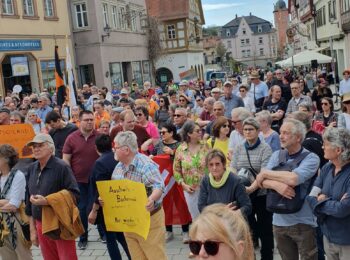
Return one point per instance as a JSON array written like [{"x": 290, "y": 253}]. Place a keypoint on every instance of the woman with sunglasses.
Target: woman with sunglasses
[
  {"x": 321, "y": 91},
  {"x": 251, "y": 157},
  {"x": 152, "y": 105},
  {"x": 222, "y": 186},
  {"x": 35, "y": 121},
  {"x": 344, "y": 118},
  {"x": 162, "y": 114},
  {"x": 23, "y": 109},
  {"x": 247, "y": 100},
  {"x": 170, "y": 142},
  {"x": 220, "y": 135},
  {"x": 189, "y": 166},
  {"x": 183, "y": 101},
  {"x": 327, "y": 115},
  {"x": 221, "y": 233}
]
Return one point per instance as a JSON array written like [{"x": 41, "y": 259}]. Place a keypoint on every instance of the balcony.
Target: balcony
[{"x": 345, "y": 21}]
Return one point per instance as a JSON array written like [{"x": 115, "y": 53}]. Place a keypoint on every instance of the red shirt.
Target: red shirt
[
  {"x": 140, "y": 132},
  {"x": 206, "y": 116},
  {"x": 83, "y": 154}
]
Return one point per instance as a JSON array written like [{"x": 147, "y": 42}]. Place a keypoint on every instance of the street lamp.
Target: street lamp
[{"x": 107, "y": 30}]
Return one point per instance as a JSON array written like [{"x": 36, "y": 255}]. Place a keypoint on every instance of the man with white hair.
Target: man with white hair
[
  {"x": 140, "y": 168},
  {"x": 46, "y": 176},
  {"x": 44, "y": 108},
  {"x": 289, "y": 175}
]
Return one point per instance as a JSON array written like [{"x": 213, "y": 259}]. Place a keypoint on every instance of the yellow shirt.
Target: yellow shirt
[{"x": 220, "y": 145}]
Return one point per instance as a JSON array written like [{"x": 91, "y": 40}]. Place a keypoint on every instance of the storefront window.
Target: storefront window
[
  {"x": 116, "y": 74},
  {"x": 48, "y": 73},
  {"x": 136, "y": 72},
  {"x": 146, "y": 71}
]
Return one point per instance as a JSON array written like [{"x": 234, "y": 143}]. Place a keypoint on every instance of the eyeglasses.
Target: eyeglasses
[
  {"x": 249, "y": 129},
  {"x": 324, "y": 104},
  {"x": 146, "y": 96},
  {"x": 140, "y": 114},
  {"x": 217, "y": 109},
  {"x": 182, "y": 100},
  {"x": 162, "y": 132},
  {"x": 177, "y": 115},
  {"x": 211, "y": 247},
  {"x": 242, "y": 90},
  {"x": 22, "y": 108},
  {"x": 118, "y": 148},
  {"x": 226, "y": 126},
  {"x": 39, "y": 145},
  {"x": 236, "y": 122}
]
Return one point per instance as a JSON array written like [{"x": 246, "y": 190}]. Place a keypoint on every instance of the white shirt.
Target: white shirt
[
  {"x": 16, "y": 193},
  {"x": 344, "y": 87}
]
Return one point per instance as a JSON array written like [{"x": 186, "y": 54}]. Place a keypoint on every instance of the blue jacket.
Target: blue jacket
[{"x": 334, "y": 212}]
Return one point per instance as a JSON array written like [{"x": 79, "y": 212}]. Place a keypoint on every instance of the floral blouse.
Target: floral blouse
[{"x": 190, "y": 168}]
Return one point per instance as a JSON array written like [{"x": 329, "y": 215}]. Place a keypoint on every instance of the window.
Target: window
[
  {"x": 122, "y": 18},
  {"x": 116, "y": 75},
  {"x": 48, "y": 72},
  {"x": 321, "y": 17},
  {"x": 137, "y": 71},
  {"x": 105, "y": 15},
  {"x": 259, "y": 29},
  {"x": 260, "y": 40},
  {"x": 332, "y": 10},
  {"x": 247, "y": 41},
  {"x": 8, "y": 7},
  {"x": 81, "y": 15},
  {"x": 345, "y": 5},
  {"x": 243, "y": 53},
  {"x": 244, "y": 31},
  {"x": 229, "y": 44},
  {"x": 261, "y": 51},
  {"x": 133, "y": 21},
  {"x": 146, "y": 72},
  {"x": 87, "y": 74},
  {"x": 49, "y": 8},
  {"x": 248, "y": 53},
  {"x": 171, "y": 32},
  {"x": 228, "y": 33},
  {"x": 242, "y": 42},
  {"x": 115, "y": 16},
  {"x": 28, "y": 8}
]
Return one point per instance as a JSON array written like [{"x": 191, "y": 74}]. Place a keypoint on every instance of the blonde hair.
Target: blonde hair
[{"x": 227, "y": 226}]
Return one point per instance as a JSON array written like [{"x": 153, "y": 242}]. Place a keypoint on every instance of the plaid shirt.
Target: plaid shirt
[
  {"x": 141, "y": 169},
  {"x": 293, "y": 105}
]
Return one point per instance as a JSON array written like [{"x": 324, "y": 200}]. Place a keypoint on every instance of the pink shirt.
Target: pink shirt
[{"x": 152, "y": 130}]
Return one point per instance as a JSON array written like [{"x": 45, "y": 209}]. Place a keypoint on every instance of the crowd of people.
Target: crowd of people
[{"x": 252, "y": 164}]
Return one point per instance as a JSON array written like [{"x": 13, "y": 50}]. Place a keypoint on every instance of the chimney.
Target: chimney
[
  {"x": 250, "y": 14},
  {"x": 236, "y": 16}
]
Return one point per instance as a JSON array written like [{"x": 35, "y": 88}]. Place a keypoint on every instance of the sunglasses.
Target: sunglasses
[
  {"x": 211, "y": 247},
  {"x": 242, "y": 90},
  {"x": 226, "y": 126},
  {"x": 146, "y": 96},
  {"x": 139, "y": 114},
  {"x": 163, "y": 132},
  {"x": 177, "y": 115},
  {"x": 182, "y": 100},
  {"x": 325, "y": 104}
]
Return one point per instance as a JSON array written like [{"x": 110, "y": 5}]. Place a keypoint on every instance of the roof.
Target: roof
[
  {"x": 166, "y": 10},
  {"x": 253, "y": 21},
  {"x": 280, "y": 5}
]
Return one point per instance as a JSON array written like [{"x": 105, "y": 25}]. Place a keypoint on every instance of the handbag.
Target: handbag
[
  {"x": 25, "y": 228},
  {"x": 248, "y": 176}
]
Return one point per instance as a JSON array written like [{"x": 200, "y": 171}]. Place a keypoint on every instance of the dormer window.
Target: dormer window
[
  {"x": 228, "y": 33},
  {"x": 259, "y": 29},
  {"x": 244, "y": 31}
]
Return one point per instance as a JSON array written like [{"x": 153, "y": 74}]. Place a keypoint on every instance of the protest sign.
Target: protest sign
[
  {"x": 124, "y": 206},
  {"x": 18, "y": 136}
]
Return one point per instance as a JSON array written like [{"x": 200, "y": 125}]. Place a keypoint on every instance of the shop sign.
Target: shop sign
[{"x": 20, "y": 45}]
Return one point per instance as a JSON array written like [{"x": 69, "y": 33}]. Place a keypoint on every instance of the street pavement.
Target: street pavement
[{"x": 96, "y": 250}]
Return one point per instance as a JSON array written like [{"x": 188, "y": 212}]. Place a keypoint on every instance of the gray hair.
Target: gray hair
[
  {"x": 219, "y": 103},
  {"x": 264, "y": 115},
  {"x": 128, "y": 139},
  {"x": 52, "y": 147},
  {"x": 210, "y": 100},
  {"x": 306, "y": 105},
  {"x": 298, "y": 128},
  {"x": 183, "y": 110},
  {"x": 302, "y": 117},
  {"x": 241, "y": 112},
  {"x": 251, "y": 121},
  {"x": 339, "y": 138}
]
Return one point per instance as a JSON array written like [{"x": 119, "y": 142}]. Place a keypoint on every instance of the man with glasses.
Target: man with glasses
[
  {"x": 43, "y": 107},
  {"x": 140, "y": 168},
  {"x": 128, "y": 123},
  {"x": 80, "y": 153},
  {"x": 180, "y": 117},
  {"x": 230, "y": 101},
  {"x": 297, "y": 98},
  {"x": 46, "y": 176},
  {"x": 218, "y": 110}
]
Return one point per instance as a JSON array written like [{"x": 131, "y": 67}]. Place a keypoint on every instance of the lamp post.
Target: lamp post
[{"x": 107, "y": 30}]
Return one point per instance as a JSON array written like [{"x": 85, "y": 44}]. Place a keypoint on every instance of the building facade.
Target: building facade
[
  {"x": 250, "y": 40},
  {"x": 209, "y": 46},
  {"x": 29, "y": 31},
  {"x": 110, "y": 43},
  {"x": 345, "y": 24},
  {"x": 180, "y": 28}
]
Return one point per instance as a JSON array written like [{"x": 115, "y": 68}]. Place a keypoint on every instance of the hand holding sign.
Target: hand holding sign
[{"x": 124, "y": 204}]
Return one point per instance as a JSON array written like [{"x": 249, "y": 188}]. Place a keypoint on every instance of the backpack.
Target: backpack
[{"x": 275, "y": 202}]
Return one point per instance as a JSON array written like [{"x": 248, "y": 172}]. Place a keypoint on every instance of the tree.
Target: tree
[
  {"x": 211, "y": 30},
  {"x": 154, "y": 45},
  {"x": 221, "y": 51}
]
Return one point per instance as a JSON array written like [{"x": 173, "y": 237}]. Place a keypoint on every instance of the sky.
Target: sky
[{"x": 220, "y": 12}]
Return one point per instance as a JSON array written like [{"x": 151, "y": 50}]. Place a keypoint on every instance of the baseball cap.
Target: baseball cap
[
  {"x": 228, "y": 83},
  {"x": 215, "y": 90},
  {"x": 118, "y": 109},
  {"x": 124, "y": 91},
  {"x": 41, "y": 138},
  {"x": 159, "y": 91},
  {"x": 183, "y": 83}
]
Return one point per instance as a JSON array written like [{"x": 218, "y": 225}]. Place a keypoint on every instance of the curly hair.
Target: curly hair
[{"x": 9, "y": 154}]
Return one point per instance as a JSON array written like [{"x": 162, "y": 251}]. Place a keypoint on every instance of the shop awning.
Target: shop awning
[{"x": 304, "y": 58}]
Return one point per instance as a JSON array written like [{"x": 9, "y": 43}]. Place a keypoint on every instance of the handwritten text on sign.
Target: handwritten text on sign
[{"x": 124, "y": 206}]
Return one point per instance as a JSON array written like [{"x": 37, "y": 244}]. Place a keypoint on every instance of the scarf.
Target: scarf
[{"x": 218, "y": 184}]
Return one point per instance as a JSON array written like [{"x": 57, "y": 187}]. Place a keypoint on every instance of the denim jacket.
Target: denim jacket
[{"x": 333, "y": 213}]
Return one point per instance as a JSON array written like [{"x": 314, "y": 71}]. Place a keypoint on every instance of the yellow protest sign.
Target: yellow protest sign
[
  {"x": 124, "y": 206},
  {"x": 18, "y": 136}
]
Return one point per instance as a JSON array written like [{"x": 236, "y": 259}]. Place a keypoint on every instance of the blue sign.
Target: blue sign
[{"x": 20, "y": 45}]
